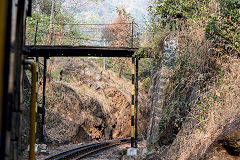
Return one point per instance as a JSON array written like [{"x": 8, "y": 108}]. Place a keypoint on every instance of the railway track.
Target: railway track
[{"x": 84, "y": 151}]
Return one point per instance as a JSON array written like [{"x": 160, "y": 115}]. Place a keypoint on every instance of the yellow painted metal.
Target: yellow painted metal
[
  {"x": 133, "y": 69},
  {"x": 133, "y": 89},
  {"x": 132, "y": 131},
  {"x": 3, "y": 6},
  {"x": 132, "y": 106},
  {"x": 32, "y": 137},
  {"x": 36, "y": 103},
  {"x": 132, "y": 110}
]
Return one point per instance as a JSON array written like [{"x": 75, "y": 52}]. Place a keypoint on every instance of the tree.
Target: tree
[
  {"x": 118, "y": 33},
  {"x": 223, "y": 28},
  {"x": 54, "y": 24},
  {"x": 170, "y": 13}
]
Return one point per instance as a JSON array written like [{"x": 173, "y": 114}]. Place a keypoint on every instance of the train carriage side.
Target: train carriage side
[{"x": 12, "y": 25}]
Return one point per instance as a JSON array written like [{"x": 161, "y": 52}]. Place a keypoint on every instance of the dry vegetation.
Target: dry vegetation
[
  {"x": 87, "y": 103},
  {"x": 202, "y": 96},
  {"x": 212, "y": 111}
]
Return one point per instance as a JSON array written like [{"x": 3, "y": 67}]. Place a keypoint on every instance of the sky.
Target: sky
[{"x": 104, "y": 11}]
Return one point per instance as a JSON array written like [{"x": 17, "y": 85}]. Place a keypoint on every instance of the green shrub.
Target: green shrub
[
  {"x": 223, "y": 29},
  {"x": 168, "y": 12}
]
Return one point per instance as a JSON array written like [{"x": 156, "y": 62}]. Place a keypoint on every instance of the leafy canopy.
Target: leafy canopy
[
  {"x": 168, "y": 12},
  {"x": 223, "y": 30}
]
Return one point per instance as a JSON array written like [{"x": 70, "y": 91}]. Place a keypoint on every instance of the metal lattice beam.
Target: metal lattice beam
[{"x": 78, "y": 51}]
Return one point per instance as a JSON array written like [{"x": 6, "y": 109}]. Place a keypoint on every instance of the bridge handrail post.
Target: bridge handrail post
[
  {"x": 35, "y": 37},
  {"x": 132, "y": 40}
]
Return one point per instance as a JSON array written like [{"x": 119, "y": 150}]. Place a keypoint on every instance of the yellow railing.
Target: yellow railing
[{"x": 31, "y": 65}]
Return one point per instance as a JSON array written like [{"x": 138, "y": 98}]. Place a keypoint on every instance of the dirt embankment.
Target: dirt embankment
[{"x": 85, "y": 103}]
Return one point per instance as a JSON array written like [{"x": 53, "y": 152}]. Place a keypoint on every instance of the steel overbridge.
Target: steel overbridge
[
  {"x": 22, "y": 40},
  {"x": 67, "y": 50},
  {"x": 91, "y": 40},
  {"x": 78, "y": 51}
]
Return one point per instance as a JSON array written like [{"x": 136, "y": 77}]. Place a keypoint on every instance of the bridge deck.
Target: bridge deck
[{"x": 78, "y": 51}]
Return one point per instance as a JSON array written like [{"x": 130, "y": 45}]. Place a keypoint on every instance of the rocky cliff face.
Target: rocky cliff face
[
  {"x": 160, "y": 78},
  {"x": 85, "y": 103}
]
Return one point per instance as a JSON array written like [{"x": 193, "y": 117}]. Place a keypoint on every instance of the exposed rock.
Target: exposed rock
[
  {"x": 97, "y": 87},
  {"x": 106, "y": 74},
  {"x": 108, "y": 132},
  {"x": 90, "y": 107},
  {"x": 161, "y": 75},
  {"x": 98, "y": 77},
  {"x": 227, "y": 145},
  {"x": 90, "y": 84}
]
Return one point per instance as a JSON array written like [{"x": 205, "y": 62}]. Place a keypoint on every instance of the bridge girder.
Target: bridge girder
[{"x": 78, "y": 51}]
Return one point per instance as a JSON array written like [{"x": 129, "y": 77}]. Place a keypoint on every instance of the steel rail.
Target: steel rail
[
  {"x": 96, "y": 151},
  {"x": 84, "y": 151}
]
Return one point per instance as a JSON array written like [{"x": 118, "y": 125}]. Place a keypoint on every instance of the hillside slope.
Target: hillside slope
[
  {"x": 195, "y": 113},
  {"x": 214, "y": 136},
  {"x": 86, "y": 103}
]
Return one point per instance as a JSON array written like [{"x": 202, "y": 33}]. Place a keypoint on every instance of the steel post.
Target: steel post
[
  {"x": 132, "y": 34},
  {"x": 132, "y": 104},
  {"x": 35, "y": 37},
  {"x": 136, "y": 102},
  {"x": 44, "y": 97}
]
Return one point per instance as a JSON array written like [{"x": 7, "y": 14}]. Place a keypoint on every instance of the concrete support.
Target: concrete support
[{"x": 134, "y": 153}]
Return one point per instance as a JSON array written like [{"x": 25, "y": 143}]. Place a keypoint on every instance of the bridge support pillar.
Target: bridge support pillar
[
  {"x": 44, "y": 97},
  {"x": 132, "y": 104},
  {"x": 136, "y": 102}
]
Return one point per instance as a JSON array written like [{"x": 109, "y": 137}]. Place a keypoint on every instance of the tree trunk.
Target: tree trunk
[
  {"x": 50, "y": 67},
  {"x": 50, "y": 39},
  {"x": 60, "y": 33},
  {"x": 120, "y": 68},
  {"x": 50, "y": 36}
]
